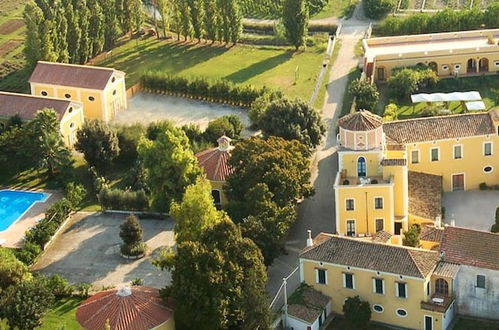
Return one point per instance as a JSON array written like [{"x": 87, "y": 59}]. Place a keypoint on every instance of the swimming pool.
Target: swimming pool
[{"x": 15, "y": 203}]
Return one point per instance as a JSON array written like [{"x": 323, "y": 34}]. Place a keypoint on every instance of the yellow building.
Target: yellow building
[
  {"x": 215, "y": 164},
  {"x": 398, "y": 282},
  {"x": 391, "y": 175},
  {"x": 101, "y": 90},
  {"x": 70, "y": 113},
  {"x": 448, "y": 54}
]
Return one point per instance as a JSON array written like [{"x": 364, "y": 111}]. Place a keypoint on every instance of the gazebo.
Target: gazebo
[
  {"x": 470, "y": 101},
  {"x": 138, "y": 308}
]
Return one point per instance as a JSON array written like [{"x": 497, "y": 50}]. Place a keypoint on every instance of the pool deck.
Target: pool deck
[{"x": 14, "y": 235}]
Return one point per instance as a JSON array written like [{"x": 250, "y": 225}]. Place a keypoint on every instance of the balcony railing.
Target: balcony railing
[
  {"x": 360, "y": 181},
  {"x": 438, "y": 303}
]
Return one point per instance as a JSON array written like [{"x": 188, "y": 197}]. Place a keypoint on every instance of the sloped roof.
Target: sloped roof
[
  {"x": 138, "y": 308},
  {"x": 362, "y": 120},
  {"x": 62, "y": 74},
  {"x": 215, "y": 163},
  {"x": 312, "y": 304},
  {"x": 470, "y": 247},
  {"x": 446, "y": 269},
  {"x": 381, "y": 257},
  {"x": 431, "y": 234},
  {"x": 439, "y": 127},
  {"x": 26, "y": 106},
  {"x": 382, "y": 236},
  {"x": 425, "y": 195}
]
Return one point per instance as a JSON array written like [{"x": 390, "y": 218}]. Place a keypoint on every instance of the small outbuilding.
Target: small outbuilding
[
  {"x": 138, "y": 308},
  {"x": 307, "y": 309}
]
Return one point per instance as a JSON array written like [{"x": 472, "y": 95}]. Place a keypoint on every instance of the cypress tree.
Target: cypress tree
[
  {"x": 211, "y": 20},
  {"x": 48, "y": 52},
  {"x": 83, "y": 15},
  {"x": 295, "y": 20},
  {"x": 197, "y": 16},
  {"x": 185, "y": 18},
  {"x": 96, "y": 28},
  {"x": 60, "y": 34},
  {"x": 235, "y": 21},
  {"x": 33, "y": 17},
  {"x": 136, "y": 14},
  {"x": 110, "y": 23},
  {"x": 73, "y": 39},
  {"x": 225, "y": 20}
]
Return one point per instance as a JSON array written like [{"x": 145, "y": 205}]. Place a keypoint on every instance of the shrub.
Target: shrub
[
  {"x": 495, "y": 226},
  {"x": 411, "y": 237},
  {"x": 128, "y": 139},
  {"x": 357, "y": 312},
  {"x": 483, "y": 186},
  {"x": 260, "y": 104},
  {"x": 366, "y": 94},
  {"x": 59, "y": 286},
  {"x": 75, "y": 194},
  {"x": 137, "y": 282},
  {"x": 391, "y": 112},
  {"x": 116, "y": 199},
  {"x": 82, "y": 289},
  {"x": 132, "y": 233},
  {"x": 230, "y": 126},
  {"x": 378, "y": 8},
  {"x": 406, "y": 81},
  {"x": 12, "y": 270},
  {"x": 28, "y": 253}
]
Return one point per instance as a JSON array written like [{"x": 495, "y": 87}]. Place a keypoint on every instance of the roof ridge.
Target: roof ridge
[
  {"x": 454, "y": 115},
  {"x": 36, "y": 96},
  {"x": 83, "y": 66},
  {"x": 416, "y": 263},
  {"x": 471, "y": 229}
]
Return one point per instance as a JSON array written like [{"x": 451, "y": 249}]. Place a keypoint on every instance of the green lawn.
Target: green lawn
[
  {"x": 335, "y": 8},
  {"x": 276, "y": 67},
  {"x": 62, "y": 315},
  {"x": 486, "y": 85},
  {"x": 348, "y": 99}
]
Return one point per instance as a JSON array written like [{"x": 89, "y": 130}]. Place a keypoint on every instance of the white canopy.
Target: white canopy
[
  {"x": 446, "y": 97},
  {"x": 475, "y": 105}
]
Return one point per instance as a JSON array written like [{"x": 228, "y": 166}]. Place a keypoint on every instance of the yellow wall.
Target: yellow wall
[
  {"x": 348, "y": 161},
  {"x": 401, "y": 193},
  {"x": 428, "y": 245},
  {"x": 70, "y": 123},
  {"x": 363, "y": 280},
  {"x": 472, "y": 162},
  {"x": 168, "y": 325},
  {"x": 364, "y": 207},
  {"x": 218, "y": 185}
]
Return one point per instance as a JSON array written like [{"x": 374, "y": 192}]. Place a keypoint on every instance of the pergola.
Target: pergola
[{"x": 470, "y": 101}]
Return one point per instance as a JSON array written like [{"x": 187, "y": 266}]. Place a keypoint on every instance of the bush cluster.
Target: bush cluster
[
  {"x": 406, "y": 81},
  {"x": 378, "y": 8},
  {"x": 221, "y": 91},
  {"x": 116, "y": 199},
  {"x": 40, "y": 234},
  {"x": 443, "y": 21}
]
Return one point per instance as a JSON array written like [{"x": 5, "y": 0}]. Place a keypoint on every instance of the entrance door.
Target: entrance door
[
  {"x": 381, "y": 74},
  {"x": 428, "y": 322},
  {"x": 398, "y": 228},
  {"x": 361, "y": 167},
  {"x": 457, "y": 182}
]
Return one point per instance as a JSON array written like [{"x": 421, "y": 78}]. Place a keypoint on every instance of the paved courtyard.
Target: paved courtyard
[
  {"x": 146, "y": 108},
  {"x": 471, "y": 209},
  {"x": 88, "y": 251}
]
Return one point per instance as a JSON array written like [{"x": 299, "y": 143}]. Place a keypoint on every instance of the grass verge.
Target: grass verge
[{"x": 62, "y": 315}]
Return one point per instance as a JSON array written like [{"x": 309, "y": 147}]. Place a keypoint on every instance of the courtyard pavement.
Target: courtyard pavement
[
  {"x": 145, "y": 108},
  {"x": 88, "y": 251},
  {"x": 471, "y": 209}
]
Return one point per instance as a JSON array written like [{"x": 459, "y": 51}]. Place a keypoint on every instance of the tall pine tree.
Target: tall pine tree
[
  {"x": 33, "y": 17},
  {"x": 295, "y": 20},
  {"x": 74, "y": 32},
  {"x": 96, "y": 28},
  {"x": 211, "y": 20},
  {"x": 110, "y": 23},
  {"x": 197, "y": 18}
]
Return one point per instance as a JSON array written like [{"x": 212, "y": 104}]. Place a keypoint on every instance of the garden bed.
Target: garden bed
[
  {"x": 11, "y": 26},
  {"x": 9, "y": 46}
]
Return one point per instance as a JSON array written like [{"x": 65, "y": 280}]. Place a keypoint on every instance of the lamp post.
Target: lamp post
[{"x": 285, "y": 302}]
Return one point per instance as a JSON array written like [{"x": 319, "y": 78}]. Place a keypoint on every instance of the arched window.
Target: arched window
[
  {"x": 216, "y": 197},
  {"x": 483, "y": 65},
  {"x": 441, "y": 287},
  {"x": 433, "y": 66},
  {"x": 361, "y": 167}
]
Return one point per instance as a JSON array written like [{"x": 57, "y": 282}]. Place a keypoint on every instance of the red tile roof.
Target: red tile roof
[
  {"x": 362, "y": 120},
  {"x": 215, "y": 163},
  {"x": 141, "y": 310},
  {"x": 425, "y": 195},
  {"x": 26, "y": 106},
  {"x": 83, "y": 76},
  {"x": 470, "y": 247}
]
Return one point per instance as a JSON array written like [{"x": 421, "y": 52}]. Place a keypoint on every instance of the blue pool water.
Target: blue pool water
[{"x": 14, "y": 203}]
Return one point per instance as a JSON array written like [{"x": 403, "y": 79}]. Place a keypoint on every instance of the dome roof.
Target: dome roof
[
  {"x": 215, "y": 161},
  {"x": 138, "y": 308},
  {"x": 362, "y": 120}
]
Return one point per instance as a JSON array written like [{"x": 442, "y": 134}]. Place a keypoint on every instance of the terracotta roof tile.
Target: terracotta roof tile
[
  {"x": 215, "y": 163},
  {"x": 431, "y": 234},
  {"x": 374, "y": 256},
  {"x": 394, "y": 162},
  {"x": 438, "y": 128},
  {"x": 425, "y": 195},
  {"x": 141, "y": 310},
  {"x": 446, "y": 269},
  {"x": 362, "y": 120},
  {"x": 26, "y": 106},
  {"x": 470, "y": 247},
  {"x": 382, "y": 236},
  {"x": 83, "y": 76},
  {"x": 312, "y": 305}
]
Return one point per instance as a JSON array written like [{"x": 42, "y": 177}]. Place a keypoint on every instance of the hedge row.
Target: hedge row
[
  {"x": 39, "y": 235},
  {"x": 269, "y": 28},
  {"x": 220, "y": 91},
  {"x": 443, "y": 21},
  {"x": 116, "y": 199}
]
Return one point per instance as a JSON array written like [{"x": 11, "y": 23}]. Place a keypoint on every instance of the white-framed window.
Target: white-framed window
[
  {"x": 480, "y": 281},
  {"x": 401, "y": 312},
  {"x": 435, "y": 154},
  {"x": 378, "y": 308},
  {"x": 487, "y": 148},
  {"x": 457, "y": 66},
  {"x": 496, "y": 63},
  {"x": 321, "y": 276},
  {"x": 488, "y": 169},
  {"x": 378, "y": 203},
  {"x": 457, "y": 151},
  {"x": 380, "y": 224},
  {"x": 348, "y": 281},
  {"x": 350, "y": 204},
  {"x": 350, "y": 227},
  {"x": 401, "y": 289},
  {"x": 378, "y": 286},
  {"x": 445, "y": 67},
  {"x": 415, "y": 156}
]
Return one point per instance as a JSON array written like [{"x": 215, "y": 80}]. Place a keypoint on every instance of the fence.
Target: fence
[
  {"x": 133, "y": 90},
  {"x": 288, "y": 286}
]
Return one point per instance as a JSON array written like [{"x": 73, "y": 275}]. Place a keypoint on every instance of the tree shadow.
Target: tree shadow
[{"x": 259, "y": 68}]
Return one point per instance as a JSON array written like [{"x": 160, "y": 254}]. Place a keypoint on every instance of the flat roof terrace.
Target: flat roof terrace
[{"x": 449, "y": 42}]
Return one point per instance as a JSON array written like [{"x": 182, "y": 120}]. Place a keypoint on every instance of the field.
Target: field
[
  {"x": 486, "y": 85},
  {"x": 11, "y": 38},
  {"x": 276, "y": 67},
  {"x": 432, "y": 5}
]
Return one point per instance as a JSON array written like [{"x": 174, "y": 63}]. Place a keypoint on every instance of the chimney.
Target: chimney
[
  {"x": 310, "y": 241},
  {"x": 453, "y": 223},
  {"x": 224, "y": 143},
  {"x": 438, "y": 222}
]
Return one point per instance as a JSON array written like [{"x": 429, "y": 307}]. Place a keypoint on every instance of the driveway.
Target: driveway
[
  {"x": 145, "y": 108},
  {"x": 88, "y": 251},
  {"x": 318, "y": 212},
  {"x": 471, "y": 209}
]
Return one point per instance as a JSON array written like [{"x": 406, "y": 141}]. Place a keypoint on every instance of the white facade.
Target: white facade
[
  {"x": 475, "y": 301},
  {"x": 294, "y": 323}
]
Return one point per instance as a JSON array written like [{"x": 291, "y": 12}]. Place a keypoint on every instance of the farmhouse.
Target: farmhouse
[
  {"x": 101, "y": 90},
  {"x": 70, "y": 113},
  {"x": 448, "y": 54},
  {"x": 391, "y": 175}
]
